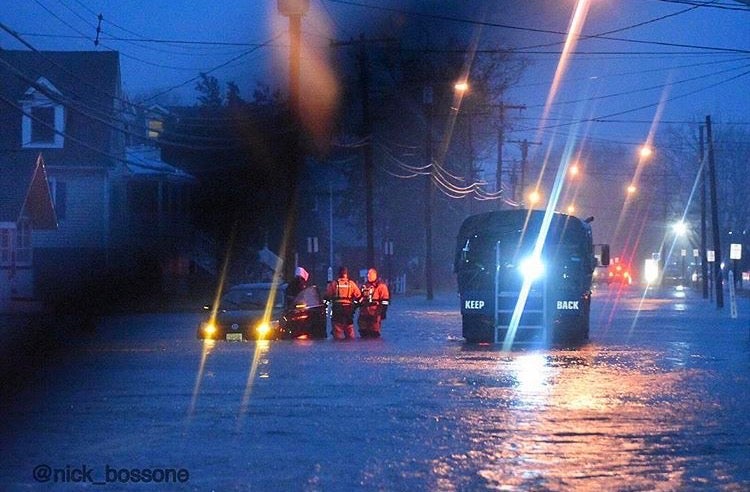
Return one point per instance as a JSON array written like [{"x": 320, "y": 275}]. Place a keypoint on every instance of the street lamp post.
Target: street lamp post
[
  {"x": 427, "y": 97},
  {"x": 704, "y": 184},
  {"x": 294, "y": 10},
  {"x": 717, "y": 275},
  {"x": 680, "y": 229},
  {"x": 388, "y": 252}
]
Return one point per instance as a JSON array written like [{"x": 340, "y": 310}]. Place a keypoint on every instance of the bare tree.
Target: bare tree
[{"x": 209, "y": 91}]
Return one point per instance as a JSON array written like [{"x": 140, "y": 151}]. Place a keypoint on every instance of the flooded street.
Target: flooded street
[{"x": 656, "y": 401}]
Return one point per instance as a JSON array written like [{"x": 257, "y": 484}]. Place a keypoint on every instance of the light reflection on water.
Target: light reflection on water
[
  {"x": 630, "y": 411},
  {"x": 559, "y": 420},
  {"x": 533, "y": 377}
]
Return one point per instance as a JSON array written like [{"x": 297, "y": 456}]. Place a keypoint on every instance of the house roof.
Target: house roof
[
  {"x": 88, "y": 76},
  {"x": 25, "y": 190},
  {"x": 85, "y": 83},
  {"x": 146, "y": 161}
]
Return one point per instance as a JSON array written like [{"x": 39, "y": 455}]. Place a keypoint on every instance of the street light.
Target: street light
[
  {"x": 646, "y": 151},
  {"x": 631, "y": 189},
  {"x": 574, "y": 169},
  {"x": 534, "y": 197},
  {"x": 427, "y": 100},
  {"x": 680, "y": 228}
]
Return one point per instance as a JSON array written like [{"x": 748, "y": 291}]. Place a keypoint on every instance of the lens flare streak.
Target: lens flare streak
[
  {"x": 208, "y": 345},
  {"x": 261, "y": 349}
]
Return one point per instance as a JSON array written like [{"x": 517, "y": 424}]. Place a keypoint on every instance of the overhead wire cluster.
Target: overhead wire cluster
[
  {"x": 739, "y": 55},
  {"x": 457, "y": 187},
  {"x": 106, "y": 115},
  {"x": 445, "y": 181},
  {"x": 238, "y": 52}
]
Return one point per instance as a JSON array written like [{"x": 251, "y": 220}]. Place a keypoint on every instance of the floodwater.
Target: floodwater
[{"x": 656, "y": 401}]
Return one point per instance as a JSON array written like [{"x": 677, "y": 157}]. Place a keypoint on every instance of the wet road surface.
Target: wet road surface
[{"x": 658, "y": 400}]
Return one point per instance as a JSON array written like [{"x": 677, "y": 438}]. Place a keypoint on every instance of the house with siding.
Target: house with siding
[
  {"x": 25, "y": 205},
  {"x": 117, "y": 210}
]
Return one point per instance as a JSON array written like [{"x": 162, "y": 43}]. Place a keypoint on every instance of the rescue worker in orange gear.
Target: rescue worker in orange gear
[
  {"x": 373, "y": 306},
  {"x": 343, "y": 293}
]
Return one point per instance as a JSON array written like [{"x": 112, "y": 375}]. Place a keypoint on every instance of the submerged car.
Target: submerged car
[{"x": 244, "y": 313}]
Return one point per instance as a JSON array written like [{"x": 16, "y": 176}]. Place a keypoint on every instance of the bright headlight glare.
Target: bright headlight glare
[
  {"x": 263, "y": 329},
  {"x": 209, "y": 329},
  {"x": 531, "y": 268}
]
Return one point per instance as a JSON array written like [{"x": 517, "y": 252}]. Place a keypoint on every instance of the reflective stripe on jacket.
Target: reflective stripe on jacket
[
  {"x": 375, "y": 293},
  {"x": 342, "y": 292}
]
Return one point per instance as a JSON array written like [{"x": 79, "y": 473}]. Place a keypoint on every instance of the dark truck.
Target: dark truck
[{"x": 518, "y": 286}]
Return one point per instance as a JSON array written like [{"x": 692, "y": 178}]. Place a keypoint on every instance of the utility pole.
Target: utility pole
[
  {"x": 294, "y": 9},
  {"x": 524, "y": 163},
  {"x": 330, "y": 233},
  {"x": 364, "y": 80},
  {"x": 471, "y": 175},
  {"x": 500, "y": 140},
  {"x": 427, "y": 100},
  {"x": 704, "y": 184},
  {"x": 718, "y": 281},
  {"x": 369, "y": 164}
]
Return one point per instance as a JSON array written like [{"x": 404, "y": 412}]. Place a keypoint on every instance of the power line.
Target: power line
[
  {"x": 621, "y": 29},
  {"x": 461, "y": 20},
  {"x": 715, "y": 5},
  {"x": 641, "y": 71},
  {"x": 74, "y": 139},
  {"x": 20, "y": 38},
  {"x": 604, "y": 118},
  {"x": 106, "y": 116},
  {"x": 140, "y": 38},
  {"x": 643, "y": 89},
  {"x": 242, "y": 55},
  {"x": 104, "y": 112},
  {"x": 577, "y": 52},
  {"x": 145, "y": 40}
]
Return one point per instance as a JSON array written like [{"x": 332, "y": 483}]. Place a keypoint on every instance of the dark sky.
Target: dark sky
[{"x": 695, "y": 59}]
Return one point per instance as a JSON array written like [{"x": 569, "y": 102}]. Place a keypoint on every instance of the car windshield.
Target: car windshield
[
  {"x": 249, "y": 298},
  {"x": 309, "y": 297}
]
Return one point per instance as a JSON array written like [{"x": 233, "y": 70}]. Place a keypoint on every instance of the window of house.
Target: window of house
[
  {"x": 59, "y": 192},
  {"x": 43, "y": 117},
  {"x": 155, "y": 128},
  {"x": 43, "y": 124}
]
